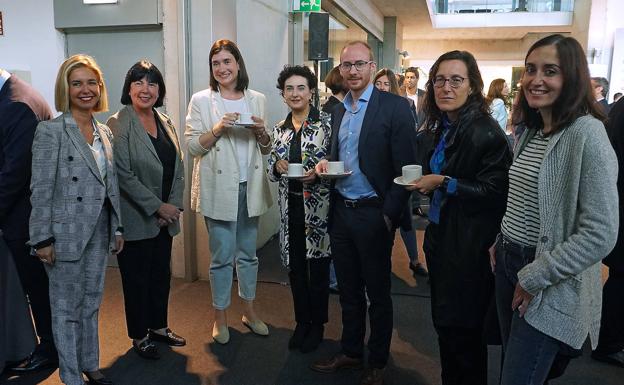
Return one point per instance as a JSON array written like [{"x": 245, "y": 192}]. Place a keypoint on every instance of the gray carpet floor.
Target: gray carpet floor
[{"x": 252, "y": 360}]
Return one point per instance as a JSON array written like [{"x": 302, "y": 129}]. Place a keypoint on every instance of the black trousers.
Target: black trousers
[
  {"x": 34, "y": 282},
  {"x": 361, "y": 249},
  {"x": 611, "y": 338},
  {"x": 463, "y": 355},
  {"x": 145, "y": 276},
  {"x": 309, "y": 278}
]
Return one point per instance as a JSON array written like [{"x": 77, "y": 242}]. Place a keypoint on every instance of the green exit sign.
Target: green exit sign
[{"x": 306, "y": 5}]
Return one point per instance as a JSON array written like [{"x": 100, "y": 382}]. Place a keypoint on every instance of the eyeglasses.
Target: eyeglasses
[
  {"x": 359, "y": 65},
  {"x": 454, "y": 81}
]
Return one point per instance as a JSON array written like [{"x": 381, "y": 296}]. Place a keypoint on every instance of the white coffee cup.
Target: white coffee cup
[
  {"x": 245, "y": 118},
  {"x": 411, "y": 172},
  {"x": 295, "y": 169},
  {"x": 335, "y": 167}
]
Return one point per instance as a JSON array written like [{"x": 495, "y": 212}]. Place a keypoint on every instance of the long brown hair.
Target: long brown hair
[
  {"x": 394, "y": 85},
  {"x": 495, "y": 91},
  {"x": 576, "y": 98}
]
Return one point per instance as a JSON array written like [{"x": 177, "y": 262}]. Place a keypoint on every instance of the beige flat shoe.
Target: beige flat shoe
[
  {"x": 257, "y": 326},
  {"x": 220, "y": 334}
]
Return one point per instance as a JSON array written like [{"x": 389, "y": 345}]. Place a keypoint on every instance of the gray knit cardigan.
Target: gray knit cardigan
[{"x": 578, "y": 202}]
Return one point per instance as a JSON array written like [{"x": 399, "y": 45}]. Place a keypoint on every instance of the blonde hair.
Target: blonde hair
[{"x": 61, "y": 88}]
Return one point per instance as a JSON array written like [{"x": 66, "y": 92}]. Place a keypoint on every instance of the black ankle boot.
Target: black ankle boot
[
  {"x": 298, "y": 336},
  {"x": 313, "y": 339}
]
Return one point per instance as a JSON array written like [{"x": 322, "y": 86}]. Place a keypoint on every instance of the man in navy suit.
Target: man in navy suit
[
  {"x": 373, "y": 133},
  {"x": 21, "y": 109}
]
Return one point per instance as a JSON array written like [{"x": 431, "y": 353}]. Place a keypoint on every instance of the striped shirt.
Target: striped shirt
[{"x": 521, "y": 222}]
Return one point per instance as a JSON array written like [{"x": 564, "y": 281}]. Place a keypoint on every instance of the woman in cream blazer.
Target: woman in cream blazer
[{"x": 229, "y": 187}]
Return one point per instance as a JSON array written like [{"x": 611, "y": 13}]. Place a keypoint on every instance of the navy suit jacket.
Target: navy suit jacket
[
  {"x": 21, "y": 109},
  {"x": 386, "y": 144}
]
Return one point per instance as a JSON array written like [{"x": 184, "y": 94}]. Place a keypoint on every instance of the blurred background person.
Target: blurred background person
[
  {"x": 303, "y": 137},
  {"x": 228, "y": 157},
  {"x": 21, "y": 109},
  {"x": 75, "y": 221},
  {"x": 610, "y": 347},
  {"x": 414, "y": 93},
  {"x": 616, "y": 97},
  {"x": 561, "y": 217},
  {"x": 467, "y": 180},
  {"x": 335, "y": 83},
  {"x": 495, "y": 99},
  {"x": 601, "y": 90},
  {"x": 151, "y": 182},
  {"x": 385, "y": 80}
]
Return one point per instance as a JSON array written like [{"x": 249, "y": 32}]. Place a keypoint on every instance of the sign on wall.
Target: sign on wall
[
  {"x": 306, "y": 5},
  {"x": 1, "y": 27}
]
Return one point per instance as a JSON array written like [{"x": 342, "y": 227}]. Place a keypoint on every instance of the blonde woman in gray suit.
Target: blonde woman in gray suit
[
  {"x": 151, "y": 180},
  {"x": 75, "y": 221},
  {"x": 230, "y": 187}
]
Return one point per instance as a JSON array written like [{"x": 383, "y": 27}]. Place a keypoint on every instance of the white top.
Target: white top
[
  {"x": 499, "y": 113},
  {"x": 240, "y": 136},
  {"x": 97, "y": 148},
  {"x": 414, "y": 98}
]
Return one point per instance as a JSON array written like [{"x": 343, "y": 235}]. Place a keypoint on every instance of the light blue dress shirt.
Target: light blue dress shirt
[{"x": 355, "y": 186}]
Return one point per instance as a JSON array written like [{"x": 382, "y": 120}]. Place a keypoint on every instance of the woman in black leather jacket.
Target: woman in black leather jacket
[{"x": 467, "y": 180}]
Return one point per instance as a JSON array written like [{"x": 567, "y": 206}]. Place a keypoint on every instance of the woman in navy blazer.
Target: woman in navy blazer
[
  {"x": 151, "y": 180},
  {"x": 75, "y": 221}
]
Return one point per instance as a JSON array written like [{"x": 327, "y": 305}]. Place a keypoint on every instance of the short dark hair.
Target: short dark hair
[
  {"x": 576, "y": 98},
  {"x": 335, "y": 82},
  {"x": 296, "y": 70},
  {"x": 617, "y": 95},
  {"x": 413, "y": 70},
  {"x": 242, "y": 80},
  {"x": 604, "y": 83},
  {"x": 143, "y": 69},
  {"x": 475, "y": 105}
]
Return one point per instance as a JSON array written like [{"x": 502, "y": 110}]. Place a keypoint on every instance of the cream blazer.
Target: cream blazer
[{"x": 214, "y": 189}]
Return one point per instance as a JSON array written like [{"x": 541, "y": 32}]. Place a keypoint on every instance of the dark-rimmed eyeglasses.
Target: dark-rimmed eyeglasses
[
  {"x": 454, "y": 81},
  {"x": 359, "y": 65}
]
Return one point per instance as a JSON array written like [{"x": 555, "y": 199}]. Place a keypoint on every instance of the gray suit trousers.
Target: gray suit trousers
[{"x": 75, "y": 295}]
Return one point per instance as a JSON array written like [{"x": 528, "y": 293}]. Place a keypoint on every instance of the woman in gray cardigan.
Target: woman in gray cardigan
[
  {"x": 149, "y": 164},
  {"x": 561, "y": 217}
]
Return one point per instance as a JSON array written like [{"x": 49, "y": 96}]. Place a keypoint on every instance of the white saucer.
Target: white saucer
[
  {"x": 399, "y": 180},
  {"x": 293, "y": 177},
  {"x": 336, "y": 176}
]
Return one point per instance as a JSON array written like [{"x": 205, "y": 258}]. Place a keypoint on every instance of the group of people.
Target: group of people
[{"x": 526, "y": 232}]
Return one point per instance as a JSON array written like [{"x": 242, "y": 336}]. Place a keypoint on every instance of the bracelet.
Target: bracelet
[{"x": 213, "y": 133}]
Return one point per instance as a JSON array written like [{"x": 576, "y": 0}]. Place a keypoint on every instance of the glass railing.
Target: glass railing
[{"x": 491, "y": 6}]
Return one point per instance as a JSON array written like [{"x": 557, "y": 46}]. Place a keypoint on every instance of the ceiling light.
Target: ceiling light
[{"x": 405, "y": 54}]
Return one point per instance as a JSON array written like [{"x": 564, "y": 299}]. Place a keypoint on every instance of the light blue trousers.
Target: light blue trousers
[{"x": 233, "y": 243}]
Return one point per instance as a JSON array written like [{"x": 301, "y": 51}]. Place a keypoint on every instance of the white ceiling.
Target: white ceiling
[{"x": 414, "y": 16}]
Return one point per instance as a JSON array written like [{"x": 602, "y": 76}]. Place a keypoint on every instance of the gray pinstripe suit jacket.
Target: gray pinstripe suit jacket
[
  {"x": 68, "y": 191},
  {"x": 140, "y": 174}
]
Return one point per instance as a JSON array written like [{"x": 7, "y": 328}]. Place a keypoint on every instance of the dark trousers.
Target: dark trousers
[
  {"x": 529, "y": 356},
  {"x": 309, "y": 278},
  {"x": 463, "y": 355},
  {"x": 34, "y": 282},
  {"x": 611, "y": 338},
  {"x": 146, "y": 275},
  {"x": 361, "y": 249}
]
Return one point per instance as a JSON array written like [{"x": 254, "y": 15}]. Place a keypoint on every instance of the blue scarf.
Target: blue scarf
[{"x": 436, "y": 164}]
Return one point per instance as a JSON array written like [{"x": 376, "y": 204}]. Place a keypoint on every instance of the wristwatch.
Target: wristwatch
[{"x": 445, "y": 182}]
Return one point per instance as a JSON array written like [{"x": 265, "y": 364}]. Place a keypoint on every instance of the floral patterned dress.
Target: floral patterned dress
[{"x": 315, "y": 141}]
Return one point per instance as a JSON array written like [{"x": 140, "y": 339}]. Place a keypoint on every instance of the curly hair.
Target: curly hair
[{"x": 296, "y": 70}]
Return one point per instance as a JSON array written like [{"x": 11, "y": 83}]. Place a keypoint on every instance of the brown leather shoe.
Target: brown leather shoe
[
  {"x": 372, "y": 376},
  {"x": 337, "y": 362}
]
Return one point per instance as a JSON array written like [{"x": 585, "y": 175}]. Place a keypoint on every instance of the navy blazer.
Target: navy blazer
[
  {"x": 387, "y": 142},
  {"x": 21, "y": 109}
]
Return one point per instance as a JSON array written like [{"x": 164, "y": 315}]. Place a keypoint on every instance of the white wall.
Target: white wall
[{"x": 30, "y": 43}]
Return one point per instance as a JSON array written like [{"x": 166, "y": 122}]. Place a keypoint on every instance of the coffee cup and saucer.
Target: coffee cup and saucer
[
  {"x": 244, "y": 119},
  {"x": 335, "y": 170},
  {"x": 295, "y": 171},
  {"x": 410, "y": 174}
]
